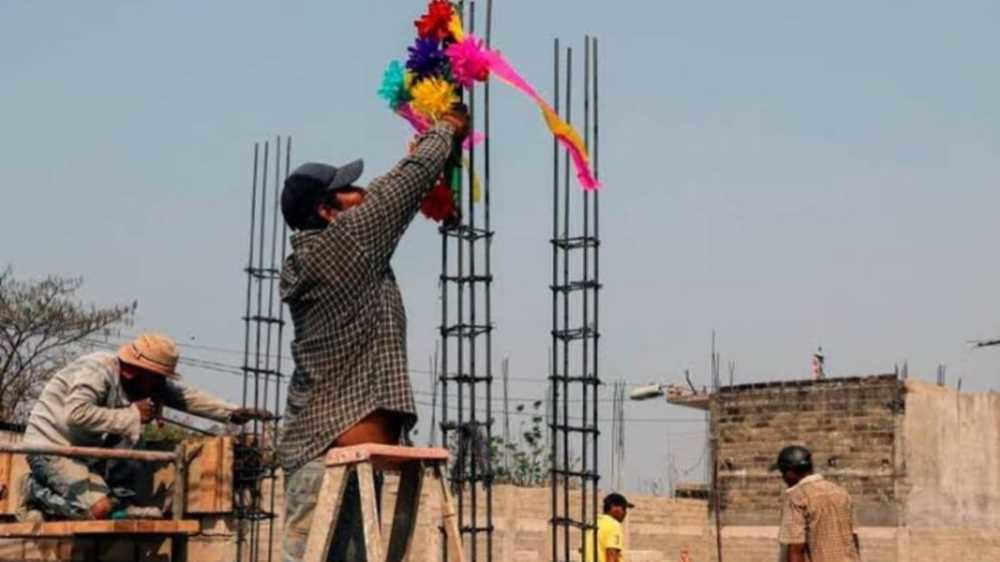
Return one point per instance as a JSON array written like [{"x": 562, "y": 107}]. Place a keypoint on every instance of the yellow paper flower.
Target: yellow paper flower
[{"x": 432, "y": 97}]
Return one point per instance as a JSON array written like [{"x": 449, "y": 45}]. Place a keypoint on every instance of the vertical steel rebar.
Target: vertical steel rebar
[
  {"x": 488, "y": 266},
  {"x": 249, "y": 270},
  {"x": 473, "y": 406},
  {"x": 573, "y": 367},
  {"x": 467, "y": 319},
  {"x": 597, "y": 287},
  {"x": 275, "y": 217},
  {"x": 565, "y": 308},
  {"x": 277, "y": 364},
  {"x": 258, "y": 316},
  {"x": 585, "y": 359},
  {"x": 247, "y": 315},
  {"x": 554, "y": 368},
  {"x": 435, "y": 383},
  {"x": 254, "y": 453}
]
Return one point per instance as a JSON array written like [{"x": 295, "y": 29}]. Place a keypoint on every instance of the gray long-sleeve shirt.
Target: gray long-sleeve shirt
[{"x": 84, "y": 401}]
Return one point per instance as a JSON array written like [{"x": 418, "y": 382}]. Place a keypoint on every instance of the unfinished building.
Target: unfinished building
[{"x": 921, "y": 461}]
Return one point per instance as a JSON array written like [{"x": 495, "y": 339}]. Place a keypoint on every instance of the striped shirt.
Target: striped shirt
[{"x": 350, "y": 324}]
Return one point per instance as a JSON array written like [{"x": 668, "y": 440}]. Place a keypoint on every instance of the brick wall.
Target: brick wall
[
  {"x": 848, "y": 423},
  {"x": 657, "y": 530}
]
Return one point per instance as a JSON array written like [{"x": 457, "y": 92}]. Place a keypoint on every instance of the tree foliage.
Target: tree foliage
[
  {"x": 42, "y": 327},
  {"x": 524, "y": 460}
]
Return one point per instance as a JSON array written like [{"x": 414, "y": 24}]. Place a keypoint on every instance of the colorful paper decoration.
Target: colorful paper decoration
[{"x": 444, "y": 59}]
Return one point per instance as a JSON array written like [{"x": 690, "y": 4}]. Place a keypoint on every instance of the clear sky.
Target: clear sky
[{"x": 789, "y": 174}]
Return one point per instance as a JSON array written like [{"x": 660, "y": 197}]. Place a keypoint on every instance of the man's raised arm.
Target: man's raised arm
[{"x": 393, "y": 199}]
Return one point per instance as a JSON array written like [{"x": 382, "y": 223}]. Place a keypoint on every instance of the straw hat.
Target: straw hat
[{"x": 153, "y": 352}]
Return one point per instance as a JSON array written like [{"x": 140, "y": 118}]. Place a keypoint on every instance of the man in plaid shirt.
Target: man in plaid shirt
[
  {"x": 817, "y": 516},
  {"x": 350, "y": 383}
]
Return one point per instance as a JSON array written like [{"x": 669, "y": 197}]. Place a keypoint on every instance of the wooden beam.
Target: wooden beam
[
  {"x": 87, "y": 452},
  {"x": 36, "y": 530},
  {"x": 369, "y": 514},
  {"x": 383, "y": 453},
  {"x": 449, "y": 519},
  {"x": 326, "y": 513}
]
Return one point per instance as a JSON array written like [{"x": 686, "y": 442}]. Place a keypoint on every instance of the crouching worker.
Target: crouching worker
[{"x": 102, "y": 400}]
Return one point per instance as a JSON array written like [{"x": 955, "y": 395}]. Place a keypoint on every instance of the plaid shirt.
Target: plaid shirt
[
  {"x": 350, "y": 325},
  {"x": 819, "y": 514}
]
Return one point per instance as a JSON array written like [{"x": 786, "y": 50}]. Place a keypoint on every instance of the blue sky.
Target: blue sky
[{"x": 788, "y": 174}]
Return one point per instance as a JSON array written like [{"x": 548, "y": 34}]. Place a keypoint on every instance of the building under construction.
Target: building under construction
[{"x": 921, "y": 461}]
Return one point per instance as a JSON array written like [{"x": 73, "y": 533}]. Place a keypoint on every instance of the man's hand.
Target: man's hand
[
  {"x": 458, "y": 118},
  {"x": 147, "y": 409},
  {"x": 241, "y": 416}
]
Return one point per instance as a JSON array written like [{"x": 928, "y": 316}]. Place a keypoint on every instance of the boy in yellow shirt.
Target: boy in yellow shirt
[{"x": 610, "y": 533}]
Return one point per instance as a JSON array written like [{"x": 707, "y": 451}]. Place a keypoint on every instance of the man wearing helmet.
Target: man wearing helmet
[{"x": 817, "y": 516}]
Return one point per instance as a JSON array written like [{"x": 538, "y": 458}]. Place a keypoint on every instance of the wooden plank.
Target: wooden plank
[
  {"x": 14, "y": 468},
  {"x": 112, "y": 527},
  {"x": 86, "y": 452},
  {"x": 383, "y": 453},
  {"x": 49, "y": 550},
  {"x": 227, "y": 462},
  {"x": 324, "y": 518},
  {"x": 6, "y": 483},
  {"x": 210, "y": 475},
  {"x": 404, "y": 519},
  {"x": 11, "y": 549},
  {"x": 209, "y": 488},
  {"x": 369, "y": 514},
  {"x": 179, "y": 503},
  {"x": 449, "y": 519}
]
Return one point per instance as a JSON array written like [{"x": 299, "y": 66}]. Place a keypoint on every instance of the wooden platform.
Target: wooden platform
[
  {"x": 55, "y": 529},
  {"x": 383, "y": 454}
]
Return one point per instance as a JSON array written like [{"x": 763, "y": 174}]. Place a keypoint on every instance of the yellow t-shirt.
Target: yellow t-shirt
[{"x": 610, "y": 534}]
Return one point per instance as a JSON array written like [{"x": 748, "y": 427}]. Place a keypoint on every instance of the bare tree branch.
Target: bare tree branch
[{"x": 42, "y": 325}]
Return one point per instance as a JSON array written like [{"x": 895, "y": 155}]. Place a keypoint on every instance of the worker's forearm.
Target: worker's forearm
[
  {"x": 193, "y": 401},
  {"x": 393, "y": 199},
  {"x": 83, "y": 415}
]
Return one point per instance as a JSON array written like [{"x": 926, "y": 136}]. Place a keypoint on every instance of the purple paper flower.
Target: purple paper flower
[{"x": 426, "y": 58}]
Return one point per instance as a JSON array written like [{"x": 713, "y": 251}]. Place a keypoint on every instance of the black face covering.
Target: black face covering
[{"x": 143, "y": 386}]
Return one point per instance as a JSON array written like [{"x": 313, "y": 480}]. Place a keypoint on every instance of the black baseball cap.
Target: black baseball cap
[
  {"x": 616, "y": 499},
  {"x": 309, "y": 183},
  {"x": 794, "y": 457}
]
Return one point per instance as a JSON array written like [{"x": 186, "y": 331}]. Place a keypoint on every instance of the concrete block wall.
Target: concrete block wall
[
  {"x": 657, "y": 530},
  {"x": 951, "y": 457},
  {"x": 848, "y": 423}
]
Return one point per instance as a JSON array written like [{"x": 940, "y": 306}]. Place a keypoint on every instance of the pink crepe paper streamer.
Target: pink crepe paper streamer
[{"x": 565, "y": 134}]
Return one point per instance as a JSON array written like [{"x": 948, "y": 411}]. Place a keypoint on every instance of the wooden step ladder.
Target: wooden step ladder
[{"x": 411, "y": 462}]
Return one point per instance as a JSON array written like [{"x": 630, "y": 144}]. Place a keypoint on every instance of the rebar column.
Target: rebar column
[
  {"x": 574, "y": 374},
  {"x": 263, "y": 340},
  {"x": 466, "y": 331}
]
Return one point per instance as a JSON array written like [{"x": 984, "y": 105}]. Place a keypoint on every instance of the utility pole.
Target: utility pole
[{"x": 505, "y": 373}]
